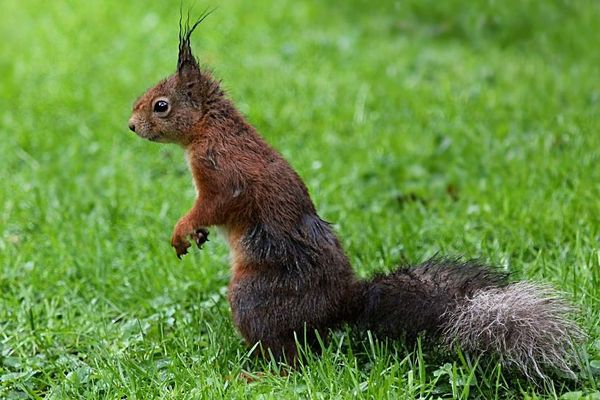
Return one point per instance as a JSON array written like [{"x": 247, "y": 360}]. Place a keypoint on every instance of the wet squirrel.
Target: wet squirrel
[{"x": 289, "y": 272}]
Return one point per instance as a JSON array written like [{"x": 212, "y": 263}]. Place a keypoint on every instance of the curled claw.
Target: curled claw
[
  {"x": 180, "y": 251},
  {"x": 180, "y": 246},
  {"x": 200, "y": 236}
]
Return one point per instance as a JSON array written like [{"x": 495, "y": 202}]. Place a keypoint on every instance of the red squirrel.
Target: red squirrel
[{"x": 290, "y": 275}]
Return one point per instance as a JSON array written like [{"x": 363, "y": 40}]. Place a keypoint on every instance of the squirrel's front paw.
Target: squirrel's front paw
[
  {"x": 200, "y": 236},
  {"x": 180, "y": 244},
  {"x": 179, "y": 239}
]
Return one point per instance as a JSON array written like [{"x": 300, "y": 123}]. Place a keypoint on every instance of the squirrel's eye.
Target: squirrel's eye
[{"x": 161, "y": 107}]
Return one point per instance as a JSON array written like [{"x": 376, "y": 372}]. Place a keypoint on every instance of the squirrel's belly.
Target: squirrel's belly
[{"x": 233, "y": 237}]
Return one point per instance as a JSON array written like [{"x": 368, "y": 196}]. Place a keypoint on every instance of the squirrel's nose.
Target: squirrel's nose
[{"x": 132, "y": 126}]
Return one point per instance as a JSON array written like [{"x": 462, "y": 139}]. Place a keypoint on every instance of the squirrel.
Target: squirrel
[{"x": 290, "y": 274}]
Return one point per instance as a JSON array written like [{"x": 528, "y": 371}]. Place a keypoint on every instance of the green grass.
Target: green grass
[{"x": 464, "y": 128}]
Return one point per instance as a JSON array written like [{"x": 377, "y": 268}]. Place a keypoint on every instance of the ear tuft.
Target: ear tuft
[{"x": 186, "y": 61}]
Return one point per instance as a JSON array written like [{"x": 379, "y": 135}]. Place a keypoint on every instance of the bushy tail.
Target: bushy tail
[
  {"x": 466, "y": 304},
  {"x": 527, "y": 324}
]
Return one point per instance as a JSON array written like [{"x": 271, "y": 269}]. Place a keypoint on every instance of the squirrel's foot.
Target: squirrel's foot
[{"x": 200, "y": 236}]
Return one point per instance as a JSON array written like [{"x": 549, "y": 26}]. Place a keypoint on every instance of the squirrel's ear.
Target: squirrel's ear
[{"x": 187, "y": 65}]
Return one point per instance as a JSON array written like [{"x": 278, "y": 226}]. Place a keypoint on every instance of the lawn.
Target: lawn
[{"x": 421, "y": 127}]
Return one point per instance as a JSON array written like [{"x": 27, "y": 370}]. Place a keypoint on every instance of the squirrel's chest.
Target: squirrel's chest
[
  {"x": 200, "y": 168},
  {"x": 188, "y": 161}
]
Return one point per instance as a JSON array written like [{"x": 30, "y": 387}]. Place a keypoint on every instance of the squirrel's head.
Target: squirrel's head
[{"x": 171, "y": 111}]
